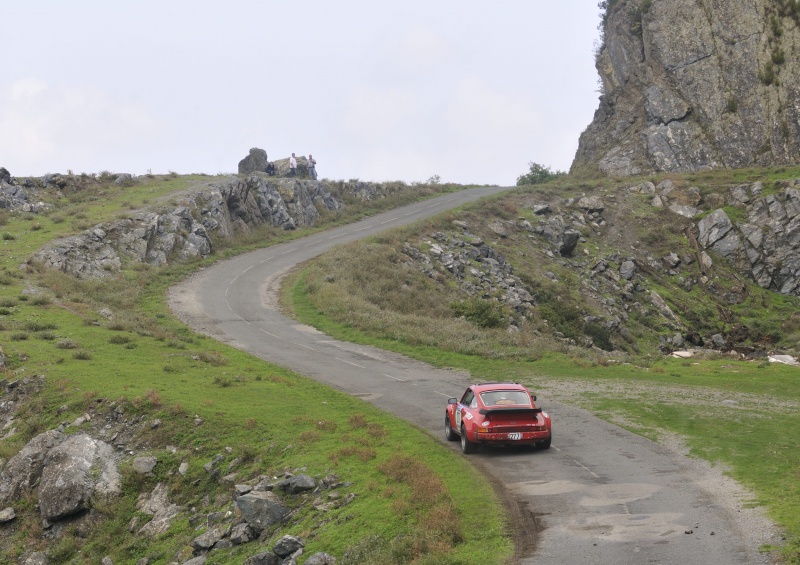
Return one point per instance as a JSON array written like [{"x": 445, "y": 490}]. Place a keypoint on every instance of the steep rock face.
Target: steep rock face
[{"x": 692, "y": 85}]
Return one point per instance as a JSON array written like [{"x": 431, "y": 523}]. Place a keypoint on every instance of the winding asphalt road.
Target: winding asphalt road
[{"x": 600, "y": 495}]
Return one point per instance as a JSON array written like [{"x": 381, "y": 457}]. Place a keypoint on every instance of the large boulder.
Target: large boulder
[
  {"x": 283, "y": 170},
  {"x": 261, "y": 509},
  {"x": 297, "y": 484},
  {"x": 714, "y": 227},
  {"x": 70, "y": 472},
  {"x": 76, "y": 471},
  {"x": 287, "y": 545},
  {"x": 256, "y": 161},
  {"x": 23, "y": 470}
]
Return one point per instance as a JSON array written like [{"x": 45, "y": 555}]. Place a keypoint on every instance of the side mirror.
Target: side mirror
[
  {"x": 452, "y": 400},
  {"x": 534, "y": 397}
]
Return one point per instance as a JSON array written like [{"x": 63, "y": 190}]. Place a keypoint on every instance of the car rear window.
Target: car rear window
[{"x": 505, "y": 398}]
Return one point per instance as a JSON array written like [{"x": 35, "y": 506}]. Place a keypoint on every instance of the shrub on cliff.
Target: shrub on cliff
[{"x": 538, "y": 174}]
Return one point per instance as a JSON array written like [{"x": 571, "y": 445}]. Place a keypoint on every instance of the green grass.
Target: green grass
[{"x": 274, "y": 421}]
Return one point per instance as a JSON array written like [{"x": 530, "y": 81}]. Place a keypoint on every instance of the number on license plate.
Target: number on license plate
[{"x": 515, "y": 435}]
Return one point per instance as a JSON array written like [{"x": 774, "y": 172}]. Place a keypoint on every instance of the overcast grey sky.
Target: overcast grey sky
[{"x": 470, "y": 90}]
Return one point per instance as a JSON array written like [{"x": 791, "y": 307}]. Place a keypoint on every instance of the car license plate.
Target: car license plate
[{"x": 515, "y": 435}]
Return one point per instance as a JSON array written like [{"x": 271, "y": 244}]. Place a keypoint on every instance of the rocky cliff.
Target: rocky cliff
[
  {"x": 691, "y": 85},
  {"x": 185, "y": 230}
]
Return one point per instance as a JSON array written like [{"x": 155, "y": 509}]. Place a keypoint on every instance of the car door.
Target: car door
[{"x": 463, "y": 406}]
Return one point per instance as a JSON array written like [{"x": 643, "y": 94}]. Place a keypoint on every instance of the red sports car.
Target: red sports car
[{"x": 497, "y": 414}]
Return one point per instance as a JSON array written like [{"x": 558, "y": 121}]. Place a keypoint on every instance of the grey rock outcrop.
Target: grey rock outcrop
[
  {"x": 767, "y": 245},
  {"x": 563, "y": 237},
  {"x": 68, "y": 473},
  {"x": 627, "y": 270},
  {"x": 157, "y": 505},
  {"x": 76, "y": 471},
  {"x": 241, "y": 533},
  {"x": 7, "y": 515},
  {"x": 255, "y": 162},
  {"x": 298, "y": 484},
  {"x": 261, "y": 509},
  {"x": 71, "y": 481},
  {"x": 691, "y": 85},
  {"x": 184, "y": 231},
  {"x": 144, "y": 465},
  {"x": 147, "y": 238},
  {"x": 33, "y": 558},
  {"x": 124, "y": 179},
  {"x": 282, "y": 167},
  {"x": 208, "y": 539},
  {"x": 15, "y": 197},
  {"x": 287, "y": 545},
  {"x": 24, "y": 470}
]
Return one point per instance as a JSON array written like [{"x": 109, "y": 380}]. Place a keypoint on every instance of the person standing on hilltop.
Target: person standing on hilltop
[
  {"x": 312, "y": 167},
  {"x": 293, "y": 165}
]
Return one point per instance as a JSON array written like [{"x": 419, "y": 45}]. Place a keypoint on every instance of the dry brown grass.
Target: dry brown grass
[
  {"x": 363, "y": 454},
  {"x": 151, "y": 399},
  {"x": 213, "y": 358},
  {"x": 376, "y": 430},
  {"x": 326, "y": 425},
  {"x": 369, "y": 287},
  {"x": 357, "y": 421},
  {"x": 426, "y": 487},
  {"x": 427, "y": 503},
  {"x": 310, "y": 436}
]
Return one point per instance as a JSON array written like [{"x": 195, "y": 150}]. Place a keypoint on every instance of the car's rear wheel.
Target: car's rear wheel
[
  {"x": 546, "y": 443},
  {"x": 467, "y": 446},
  {"x": 449, "y": 432}
]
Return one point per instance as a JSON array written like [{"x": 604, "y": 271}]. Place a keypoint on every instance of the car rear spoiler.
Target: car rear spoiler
[{"x": 501, "y": 410}]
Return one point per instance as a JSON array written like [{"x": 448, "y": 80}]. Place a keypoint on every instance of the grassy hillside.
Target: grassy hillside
[
  {"x": 110, "y": 353},
  {"x": 730, "y": 406}
]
